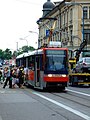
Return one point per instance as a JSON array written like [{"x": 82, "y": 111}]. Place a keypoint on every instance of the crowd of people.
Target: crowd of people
[{"x": 13, "y": 76}]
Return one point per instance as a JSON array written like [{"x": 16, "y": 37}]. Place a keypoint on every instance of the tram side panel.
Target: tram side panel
[
  {"x": 36, "y": 83},
  {"x": 46, "y": 80}
]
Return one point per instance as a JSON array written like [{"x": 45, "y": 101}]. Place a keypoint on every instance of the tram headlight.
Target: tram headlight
[
  {"x": 63, "y": 75},
  {"x": 49, "y": 75}
]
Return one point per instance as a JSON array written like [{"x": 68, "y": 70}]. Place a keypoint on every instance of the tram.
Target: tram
[{"x": 47, "y": 67}]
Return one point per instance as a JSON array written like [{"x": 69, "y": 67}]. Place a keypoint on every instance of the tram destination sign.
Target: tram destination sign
[{"x": 55, "y": 52}]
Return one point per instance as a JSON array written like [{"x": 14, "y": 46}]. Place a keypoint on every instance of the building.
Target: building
[{"x": 67, "y": 23}]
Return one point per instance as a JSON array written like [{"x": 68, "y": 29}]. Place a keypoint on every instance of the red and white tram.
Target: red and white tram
[{"x": 47, "y": 67}]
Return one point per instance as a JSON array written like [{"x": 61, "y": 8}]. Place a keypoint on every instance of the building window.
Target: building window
[
  {"x": 87, "y": 36},
  {"x": 89, "y": 12},
  {"x": 85, "y": 12},
  {"x": 71, "y": 14},
  {"x": 64, "y": 18},
  {"x": 71, "y": 41}
]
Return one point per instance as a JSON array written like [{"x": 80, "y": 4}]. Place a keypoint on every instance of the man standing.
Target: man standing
[{"x": 8, "y": 78}]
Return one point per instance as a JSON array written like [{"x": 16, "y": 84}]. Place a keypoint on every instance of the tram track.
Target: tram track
[
  {"x": 65, "y": 101},
  {"x": 80, "y": 96},
  {"x": 56, "y": 112},
  {"x": 47, "y": 106},
  {"x": 71, "y": 106},
  {"x": 73, "y": 98}
]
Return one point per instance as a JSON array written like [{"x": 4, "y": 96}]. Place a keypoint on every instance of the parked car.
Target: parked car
[{"x": 83, "y": 65}]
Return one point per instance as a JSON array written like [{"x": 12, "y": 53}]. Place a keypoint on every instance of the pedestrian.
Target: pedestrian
[
  {"x": 26, "y": 73},
  {"x": 0, "y": 76},
  {"x": 2, "y": 69},
  {"x": 21, "y": 77},
  {"x": 7, "y": 73},
  {"x": 14, "y": 77}
]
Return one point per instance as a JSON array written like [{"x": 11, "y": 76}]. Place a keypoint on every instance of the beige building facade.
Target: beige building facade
[{"x": 67, "y": 21}]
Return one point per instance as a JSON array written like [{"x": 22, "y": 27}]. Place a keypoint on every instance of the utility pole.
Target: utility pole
[{"x": 17, "y": 46}]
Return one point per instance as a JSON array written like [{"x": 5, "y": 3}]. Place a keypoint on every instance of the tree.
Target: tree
[
  {"x": 30, "y": 48},
  {"x": 25, "y": 48},
  {"x": 7, "y": 54},
  {"x": 1, "y": 54}
]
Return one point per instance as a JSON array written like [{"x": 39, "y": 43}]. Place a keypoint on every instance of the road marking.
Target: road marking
[
  {"x": 79, "y": 92},
  {"x": 86, "y": 117}
]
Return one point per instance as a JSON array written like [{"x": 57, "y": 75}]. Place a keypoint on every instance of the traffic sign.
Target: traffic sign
[{"x": 47, "y": 33}]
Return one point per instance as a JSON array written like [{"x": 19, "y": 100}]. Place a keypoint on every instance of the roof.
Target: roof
[
  {"x": 48, "y": 5},
  {"x": 23, "y": 55}
]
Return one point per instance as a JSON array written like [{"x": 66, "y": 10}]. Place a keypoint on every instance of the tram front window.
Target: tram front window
[{"x": 56, "y": 64}]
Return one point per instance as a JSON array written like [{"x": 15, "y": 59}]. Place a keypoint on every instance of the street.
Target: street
[{"x": 29, "y": 104}]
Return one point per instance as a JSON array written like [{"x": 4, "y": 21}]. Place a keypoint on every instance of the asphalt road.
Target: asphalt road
[{"x": 30, "y": 104}]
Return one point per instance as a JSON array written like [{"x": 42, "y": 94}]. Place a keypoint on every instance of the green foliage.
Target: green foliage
[
  {"x": 1, "y": 54},
  {"x": 5, "y": 55},
  {"x": 8, "y": 54},
  {"x": 24, "y": 49}
]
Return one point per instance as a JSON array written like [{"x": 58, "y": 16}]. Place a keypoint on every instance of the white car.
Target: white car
[{"x": 83, "y": 65}]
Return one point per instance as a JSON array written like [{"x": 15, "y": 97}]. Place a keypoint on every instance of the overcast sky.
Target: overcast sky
[{"x": 17, "y": 18}]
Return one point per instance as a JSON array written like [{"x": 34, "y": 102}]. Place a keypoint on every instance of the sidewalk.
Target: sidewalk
[
  {"x": 6, "y": 89},
  {"x": 14, "y": 103}
]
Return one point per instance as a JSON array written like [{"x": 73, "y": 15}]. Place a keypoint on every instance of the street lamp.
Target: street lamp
[
  {"x": 35, "y": 33},
  {"x": 80, "y": 4},
  {"x": 24, "y": 39},
  {"x": 16, "y": 46}
]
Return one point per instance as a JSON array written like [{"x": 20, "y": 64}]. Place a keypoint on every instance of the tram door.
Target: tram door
[{"x": 37, "y": 71}]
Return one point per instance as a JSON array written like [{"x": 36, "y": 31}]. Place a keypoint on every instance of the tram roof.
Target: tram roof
[
  {"x": 40, "y": 51},
  {"x": 23, "y": 55}
]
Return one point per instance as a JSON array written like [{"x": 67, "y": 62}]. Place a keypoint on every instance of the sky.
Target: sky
[{"x": 17, "y": 18}]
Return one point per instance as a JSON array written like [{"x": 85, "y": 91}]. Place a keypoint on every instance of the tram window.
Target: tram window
[
  {"x": 31, "y": 66},
  {"x": 31, "y": 62},
  {"x": 39, "y": 62},
  {"x": 57, "y": 61}
]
